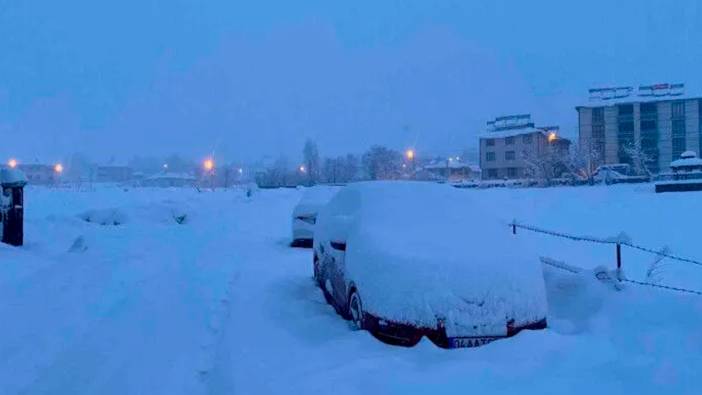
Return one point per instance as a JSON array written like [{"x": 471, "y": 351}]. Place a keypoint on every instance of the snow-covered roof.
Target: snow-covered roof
[
  {"x": 600, "y": 97},
  {"x": 12, "y": 176},
  {"x": 498, "y": 134}
]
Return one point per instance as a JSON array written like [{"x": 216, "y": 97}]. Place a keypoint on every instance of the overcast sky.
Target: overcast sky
[{"x": 245, "y": 79}]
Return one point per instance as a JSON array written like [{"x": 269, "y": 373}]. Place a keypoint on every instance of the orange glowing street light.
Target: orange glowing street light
[
  {"x": 58, "y": 168},
  {"x": 12, "y": 163},
  {"x": 208, "y": 164},
  {"x": 552, "y": 137},
  {"x": 409, "y": 154}
]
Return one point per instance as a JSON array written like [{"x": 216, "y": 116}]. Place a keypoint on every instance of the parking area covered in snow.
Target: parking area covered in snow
[{"x": 172, "y": 291}]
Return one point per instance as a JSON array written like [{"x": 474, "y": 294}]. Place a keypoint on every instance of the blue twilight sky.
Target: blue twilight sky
[{"x": 245, "y": 79}]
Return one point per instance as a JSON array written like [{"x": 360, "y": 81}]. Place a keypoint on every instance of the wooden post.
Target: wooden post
[
  {"x": 514, "y": 228},
  {"x": 619, "y": 256}
]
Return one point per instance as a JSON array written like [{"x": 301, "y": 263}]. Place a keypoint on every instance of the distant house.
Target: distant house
[
  {"x": 512, "y": 143},
  {"x": 452, "y": 169},
  {"x": 167, "y": 180},
  {"x": 113, "y": 173},
  {"x": 39, "y": 173}
]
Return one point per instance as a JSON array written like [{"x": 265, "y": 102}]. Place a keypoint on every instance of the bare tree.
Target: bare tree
[
  {"x": 349, "y": 171},
  {"x": 331, "y": 171},
  {"x": 544, "y": 167},
  {"x": 584, "y": 161},
  {"x": 381, "y": 163},
  {"x": 641, "y": 160},
  {"x": 310, "y": 154}
]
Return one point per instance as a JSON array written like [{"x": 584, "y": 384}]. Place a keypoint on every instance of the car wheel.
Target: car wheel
[{"x": 355, "y": 310}]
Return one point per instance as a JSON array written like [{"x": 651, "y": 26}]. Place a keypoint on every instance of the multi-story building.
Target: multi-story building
[
  {"x": 512, "y": 145},
  {"x": 658, "y": 121}
]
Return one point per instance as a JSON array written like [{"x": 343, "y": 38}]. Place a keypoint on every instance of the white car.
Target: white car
[
  {"x": 405, "y": 260},
  {"x": 304, "y": 215}
]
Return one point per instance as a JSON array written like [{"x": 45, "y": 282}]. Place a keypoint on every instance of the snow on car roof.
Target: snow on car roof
[
  {"x": 313, "y": 198},
  {"x": 419, "y": 251},
  {"x": 319, "y": 193}
]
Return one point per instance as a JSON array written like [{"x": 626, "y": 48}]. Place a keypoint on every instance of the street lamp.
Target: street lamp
[
  {"x": 12, "y": 163},
  {"x": 302, "y": 169},
  {"x": 58, "y": 168},
  {"x": 552, "y": 137},
  {"x": 409, "y": 154},
  {"x": 208, "y": 164}
]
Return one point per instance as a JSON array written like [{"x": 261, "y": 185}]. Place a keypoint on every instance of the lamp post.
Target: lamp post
[
  {"x": 209, "y": 166},
  {"x": 58, "y": 170},
  {"x": 12, "y": 163},
  {"x": 409, "y": 155}
]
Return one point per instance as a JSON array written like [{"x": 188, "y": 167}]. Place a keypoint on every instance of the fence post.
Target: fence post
[
  {"x": 514, "y": 227},
  {"x": 619, "y": 256}
]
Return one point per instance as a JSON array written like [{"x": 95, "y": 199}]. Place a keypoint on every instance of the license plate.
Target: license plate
[{"x": 467, "y": 342}]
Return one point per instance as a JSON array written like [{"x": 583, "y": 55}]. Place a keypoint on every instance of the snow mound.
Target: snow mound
[
  {"x": 165, "y": 212},
  {"x": 105, "y": 216},
  {"x": 422, "y": 251}
]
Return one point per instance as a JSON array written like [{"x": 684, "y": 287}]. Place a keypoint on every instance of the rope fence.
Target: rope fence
[
  {"x": 610, "y": 241},
  {"x": 515, "y": 225}
]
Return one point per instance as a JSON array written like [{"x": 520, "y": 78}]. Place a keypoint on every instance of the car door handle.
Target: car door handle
[{"x": 338, "y": 245}]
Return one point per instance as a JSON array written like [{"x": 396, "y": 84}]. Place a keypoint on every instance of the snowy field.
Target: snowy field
[{"x": 147, "y": 291}]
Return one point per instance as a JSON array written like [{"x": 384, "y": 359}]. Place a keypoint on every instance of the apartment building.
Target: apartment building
[
  {"x": 660, "y": 121},
  {"x": 511, "y": 144}
]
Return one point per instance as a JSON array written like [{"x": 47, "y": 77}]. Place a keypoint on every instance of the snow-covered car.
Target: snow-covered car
[
  {"x": 405, "y": 260},
  {"x": 304, "y": 215},
  {"x": 618, "y": 173}
]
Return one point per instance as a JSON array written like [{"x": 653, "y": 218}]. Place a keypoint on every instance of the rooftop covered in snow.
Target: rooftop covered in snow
[
  {"x": 515, "y": 125},
  {"x": 609, "y": 96}
]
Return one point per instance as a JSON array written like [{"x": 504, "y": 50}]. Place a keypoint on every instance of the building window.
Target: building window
[
  {"x": 598, "y": 131},
  {"x": 492, "y": 173},
  {"x": 678, "y": 109},
  {"x": 511, "y": 172},
  {"x": 490, "y": 142},
  {"x": 598, "y": 115},
  {"x": 626, "y": 110},
  {"x": 649, "y": 124},
  {"x": 509, "y": 155},
  {"x": 490, "y": 156},
  {"x": 678, "y": 135},
  {"x": 509, "y": 140},
  {"x": 526, "y": 139},
  {"x": 648, "y": 108}
]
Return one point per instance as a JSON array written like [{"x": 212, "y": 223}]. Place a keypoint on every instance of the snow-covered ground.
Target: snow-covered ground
[{"x": 155, "y": 291}]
